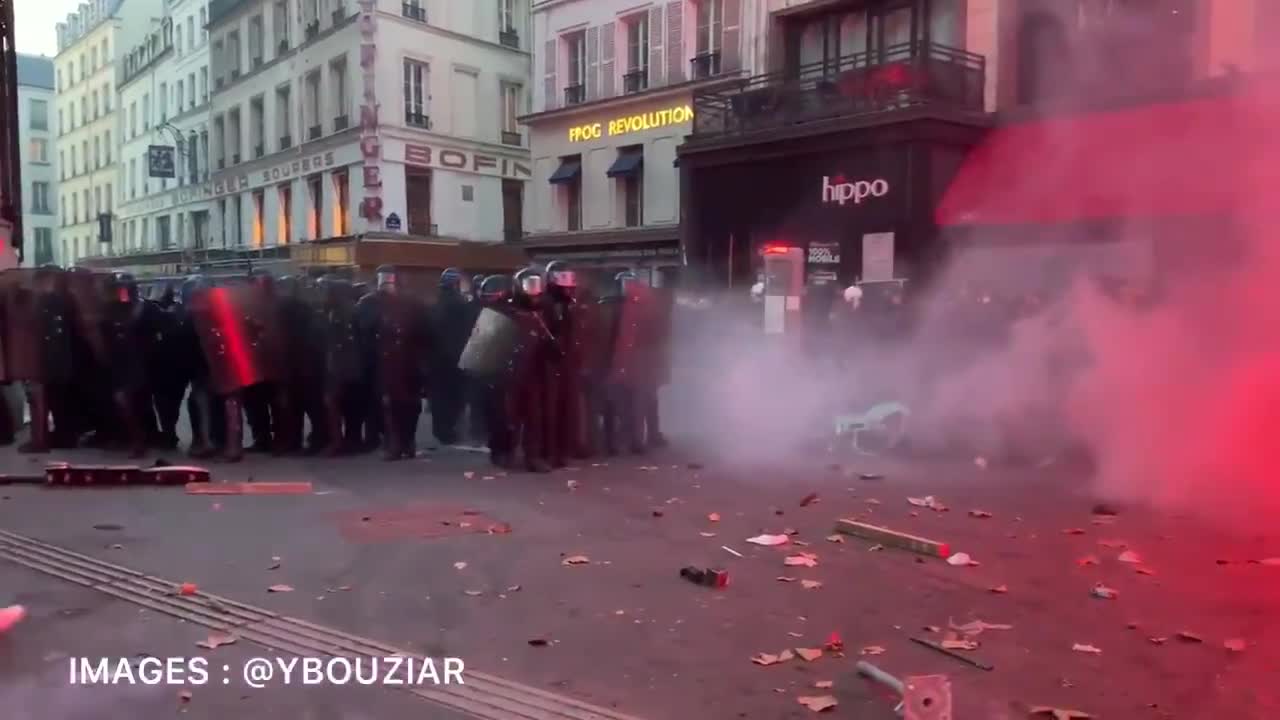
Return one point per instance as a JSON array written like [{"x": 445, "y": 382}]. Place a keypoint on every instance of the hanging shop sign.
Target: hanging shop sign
[{"x": 639, "y": 122}]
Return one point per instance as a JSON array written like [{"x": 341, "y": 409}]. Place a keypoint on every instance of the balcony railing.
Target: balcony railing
[
  {"x": 509, "y": 38},
  {"x": 282, "y": 47},
  {"x": 511, "y": 138},
  {"x": 635, "y": 81},
  {"x": 312, "y": 30},
  {"x": 866, "y": 83},
  {"x": 704, "y": 65},
  {"x": 414, "y": 12},
  {"x": 313, "y": 133},
  {"x": 339, "y": 14},
  {"x": 286, "y": 142},
  {"x": 341, "y": 123},
  {"x": 418, "y": 120},
  {"x": 575, "y": 94}
]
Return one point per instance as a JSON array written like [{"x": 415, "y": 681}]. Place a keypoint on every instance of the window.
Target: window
[
  {"x": 38, "y": 150},
  {"x": 338, "y": 81},
  {"x": 62, "y": 122},
  {"x": 418, "y": 201},
  {"x": 84, "y": 110},
  {"x": 191, "y": 90},
  {"x": 75, "y": 209},
  {"x": 178, "y": 43},
  {"x": 62, "y": 164},
  {"x": 220, "y": 142},
  {"x": 629, "y": 171},
  {"x": 415, "y": 93},
  {"x": 512, "y": 209},
  {"x": 204, "y": 85},
  {"x": 163, "y": 102},
  {"x": 133, "y": 178},
  {"x": 39, "y": 115},
  {"x": 204, "y": 22},
  {"x": 106, "y": 144},
  {"x": 311, "y": 105},
  {"x": 44, "y": 245},
  {"x": 106, "y": 98},
  {"x": 280, "y": 17},
  {"x": 511, "y": 106},
  {"x": 575, "y": 87},
  {"x": 179, "y": 96},
  {"x": 637, "y": 77},
  {"x": 237, "y": 218},
  {"x": 146, "y": 111},
  {"x": 707, "y": 35},
  {"x": 108, "y": 196},
  {"x": 95, "y": 104},
  {"x": 222, "y": 215},
  {"x": 106, "y": 51},
  {"x": 286, "y": 214},
  {"x": 97, "y": 153},
  {"x": 133, "y": 120},
  {"x": 569, "y": 177},
  {"x": 315, "y": 223},
  {"x": 257, "y": 41},
  {"x": 233, "y": 54},
  {"x": 74, "y": 164},
  {"x": 284, "y": 111},
  {"x": 144, "y": 235},
  {"x": 342, "y": 200},
  {"x": 97, "y": 200},
  {"x": 259, "y": 217},
  {"x": 84, "y": 154},
  {"x": 258, "y": 126},
  {"x": 506, "y": 15},
  {"x": 163, "y": 234},
  {"x": 40, "y": 198},
  {"x": 59, "y": 79},
  {"x": 193, "y": 167},
  {"x": 62, "y": 208},
  {"x": 87, "y": 216},
  {"x": 93, "y": 57},
  {"x": 233, "y": 136},
  {"x": 191, "y": 32}
]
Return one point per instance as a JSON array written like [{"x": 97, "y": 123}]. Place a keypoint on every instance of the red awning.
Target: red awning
[{"x": 1204, "y": 157}]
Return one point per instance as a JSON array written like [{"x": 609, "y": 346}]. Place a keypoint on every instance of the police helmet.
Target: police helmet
[
  {"x": 124, "y": 287},
  {"x": 560, "y": 276},
  {"x": 495, "y": 288},
  {"x": 451, "y": 278},
  {"x": 529, "y": 283},
  {"x": 388, "y": 278},
  {"x": 261, "y": 279}
]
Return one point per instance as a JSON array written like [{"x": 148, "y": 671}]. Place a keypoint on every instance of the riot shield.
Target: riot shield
[
  {"x": 491, "y": 346},
  {"x": 87, "y": 291},
  {"x": 267, "y": 346},
  {"x": 632, "y": 338},
  {"x": 594, "y": 326},
  {"x": 23, "y": 357},
  {"x": 229, "y": 327}
]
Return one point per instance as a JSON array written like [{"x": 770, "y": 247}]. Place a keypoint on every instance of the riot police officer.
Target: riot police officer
[
  {"x": 452, "y": 319},
  {"x": 398, "y": 327},
  {"x": 531, "y": 375},
  {"x": 264, "y": 401},
  {"x": 343, "y": 405},
  {"x": 128, "y": 323},
  {"x": 564, "y": 381}
]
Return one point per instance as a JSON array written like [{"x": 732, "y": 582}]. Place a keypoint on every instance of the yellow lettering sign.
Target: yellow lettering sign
[{"x": 632, "y": 123}]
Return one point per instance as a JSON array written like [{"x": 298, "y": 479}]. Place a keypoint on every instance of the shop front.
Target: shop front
[{"x": 858, "y": 205}]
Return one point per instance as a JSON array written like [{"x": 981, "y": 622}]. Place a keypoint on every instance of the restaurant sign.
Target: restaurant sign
[{"x": 638, "y": 122}]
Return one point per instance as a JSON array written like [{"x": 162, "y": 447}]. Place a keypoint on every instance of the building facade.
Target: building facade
[
  {"x": 86, "y": 71},
  {"x": 614, "y": 88},
  {"x": 378, "y": 116},
  {"x": 162, "y": 198},
  {"x": 36, "y": 136}
]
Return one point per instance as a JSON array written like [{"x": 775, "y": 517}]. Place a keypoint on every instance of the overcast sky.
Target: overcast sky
[{"x": 33, "y": 24}]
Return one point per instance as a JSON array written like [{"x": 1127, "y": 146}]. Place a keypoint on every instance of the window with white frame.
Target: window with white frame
[
  {"x": 416, "y": 75},
  {"x": 338, "y": 81},
  {"x": 512, "y": 94},
  {"x": 506, "y": 15},
  {"x": 637, "y": 77},
  {"x": 577, "y": 51},
  {"x": 710, "y": 15}
]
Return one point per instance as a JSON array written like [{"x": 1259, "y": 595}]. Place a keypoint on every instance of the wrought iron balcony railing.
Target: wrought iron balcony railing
[
  {"x": 575, "y": 94},
  {"x": 635, "y": 81},
  {"x": 901, "y": 76}
]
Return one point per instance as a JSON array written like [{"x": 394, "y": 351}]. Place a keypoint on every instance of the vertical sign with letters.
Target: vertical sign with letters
[{"x": 370, "y": 148}]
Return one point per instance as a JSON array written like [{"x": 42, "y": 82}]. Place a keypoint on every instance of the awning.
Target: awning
[
  {"x": 628, "y": 163},
  {"x": 567, "y": 172},
  {"x": 1169, "y": 160}
]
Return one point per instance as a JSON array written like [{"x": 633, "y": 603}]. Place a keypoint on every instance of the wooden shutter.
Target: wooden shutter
[
  {"x": 549, "y": 77},
  {"x": 657, "y": 59},
  {"x": 592, "y": 80},
  {"x": 731, "y": 37},
  {"x": 608, "y": 75},
  {"x": 675, "y": 42}
]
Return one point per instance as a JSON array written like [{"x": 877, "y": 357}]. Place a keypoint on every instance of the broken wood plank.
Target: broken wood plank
[
  {"x": 250, "y": 488},
  {"x": 893, "y": 538}
]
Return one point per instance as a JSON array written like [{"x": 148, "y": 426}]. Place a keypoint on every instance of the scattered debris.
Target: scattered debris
[
  {"x": 694, "y": 466},
  {"x": 870, "y": 476},
  {"x": 1157, "y": 640},
  {"x": 980, "y": 462},
  {"x": 818, "y": 703},
  {"x": 893, "y": 537},
  {"x": 539, "y": 642},
  {"x": 809, "y": 499},
  {"x": 572, "y": 484},
  {"x": 713, "y": 517},
  {"x": 1129, "y": 556},
  {"x": 280, "y": 589},
  {"x": 1088, "y": 560},
  {"x": 962, "y": 559},
  {"x": 928, "y": 501},
  {"x": 837, "y": 538},
  {"x": 810, "y": 584},
  {"x": 473, "y": 593},
  {"x": 1189, "y": 637},
  {"x": 769, "y": 659},
  {"x": 112, "y": 527},
  {"x": 731, "y": 551},
  {"x": 834, "y": 643},
  {"x": 1073, "y": 531},
  {"x": 823, "y": 684},
  {"x": 1105, "y": 509},
  {"x": 785, "y": 578},
  {"x": 999, "y": 589},
  {"x": 976, "y": 627},
  {"x": 801, "y": 560},
  {"x": 1113, "y": 544},
  {"x": 875, "y": 548},
  {"x": 117, "y": 546},
  {"x": 1142, "y": 570},
  {"x": 872, "y": 501},
  {"x": 468, "y": 475},
  {"x": 707, "y": 534},
  {"x": 980, "y": 514},
  {"x": 938, "y": 647},
  {"x": 1103, "y": 592},
  {"x": 769, "y": 540},
  {"x": 658, "y": 513},
  {"x": 958, "y": 644},
  {"x": 187, "y": 589},
  {"x": 514, "y": 588},
  {"x": 249, "y": 488},
  {"x": 275, "y": 563},
  {"x": 1235, "y": 645},
  {"x": 184, "y": 696},
  {"x": 872, "y": 650},
  {"x": 576, "y": 560},
  {"x": 216, "y": 640},
  {"x": 1059, "y": 713},
  {"x": 1089, "y": 649},
  {"x": 809, "y": 654},
  {"x": 710, "y": 577},
  {"x": 460, "y": 565}
]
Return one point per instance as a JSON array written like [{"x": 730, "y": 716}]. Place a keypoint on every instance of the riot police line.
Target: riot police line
[{"x": 531, "y": 364}]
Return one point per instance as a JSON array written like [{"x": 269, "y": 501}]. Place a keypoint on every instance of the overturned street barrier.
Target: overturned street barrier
[{"x": 925, "y": 697}]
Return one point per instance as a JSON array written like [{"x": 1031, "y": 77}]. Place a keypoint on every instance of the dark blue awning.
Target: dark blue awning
[
  {"x": 628, "y": 163},
  {"x": 567, "y": 172}
]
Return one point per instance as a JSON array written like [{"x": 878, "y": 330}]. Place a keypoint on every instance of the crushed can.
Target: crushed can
[{"x": 707, "y": 577}]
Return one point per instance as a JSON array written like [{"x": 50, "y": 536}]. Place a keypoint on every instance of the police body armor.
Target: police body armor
[
  {"x": 222, "y": 317},
  {"x": 56, "y": 325},
  {"x": 87, "y": 291},
  {"x": 341, "y": 347},
  {"x": 23, "y": 359}
]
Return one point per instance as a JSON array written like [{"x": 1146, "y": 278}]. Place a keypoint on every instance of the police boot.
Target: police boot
[
  {"x": 201, "y": 424},
  {"x": 39, "y": 440},
  {"x": 135, "y": 437},
  {"x": 537, "y": 465},
  {"x": 233, "y": 451},
  {"x": 391, "y": 433}
]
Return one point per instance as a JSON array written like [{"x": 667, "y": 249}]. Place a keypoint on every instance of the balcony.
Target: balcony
[
  {"x": 255, "y": 62},
  {"x": 340, "y": 123},
  {"x": 286, "y": 142},
  {"x": 282, "y": 47},
  {"x": 235, "y": 74},
  {"x": 511, "y": 138},
  {"x": 704, "y": 65},
  {"x": 414, "y": 12},
  {"x": 575, "y": 94},
  {"x": 910, "y": 75},
  {"x": 313, "y": 132},
  {"x": 235, "y": 158},
  {"x": 509, "y": 38},
  {"x": 418, "y": 120},
  {"x": 635, "y": 81},
  {"x": 339, "y": 14},
  {"x": 312, "y": 30},
  {"x": 259, "y": 150},
  {"x": 218, "y": 83}
]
